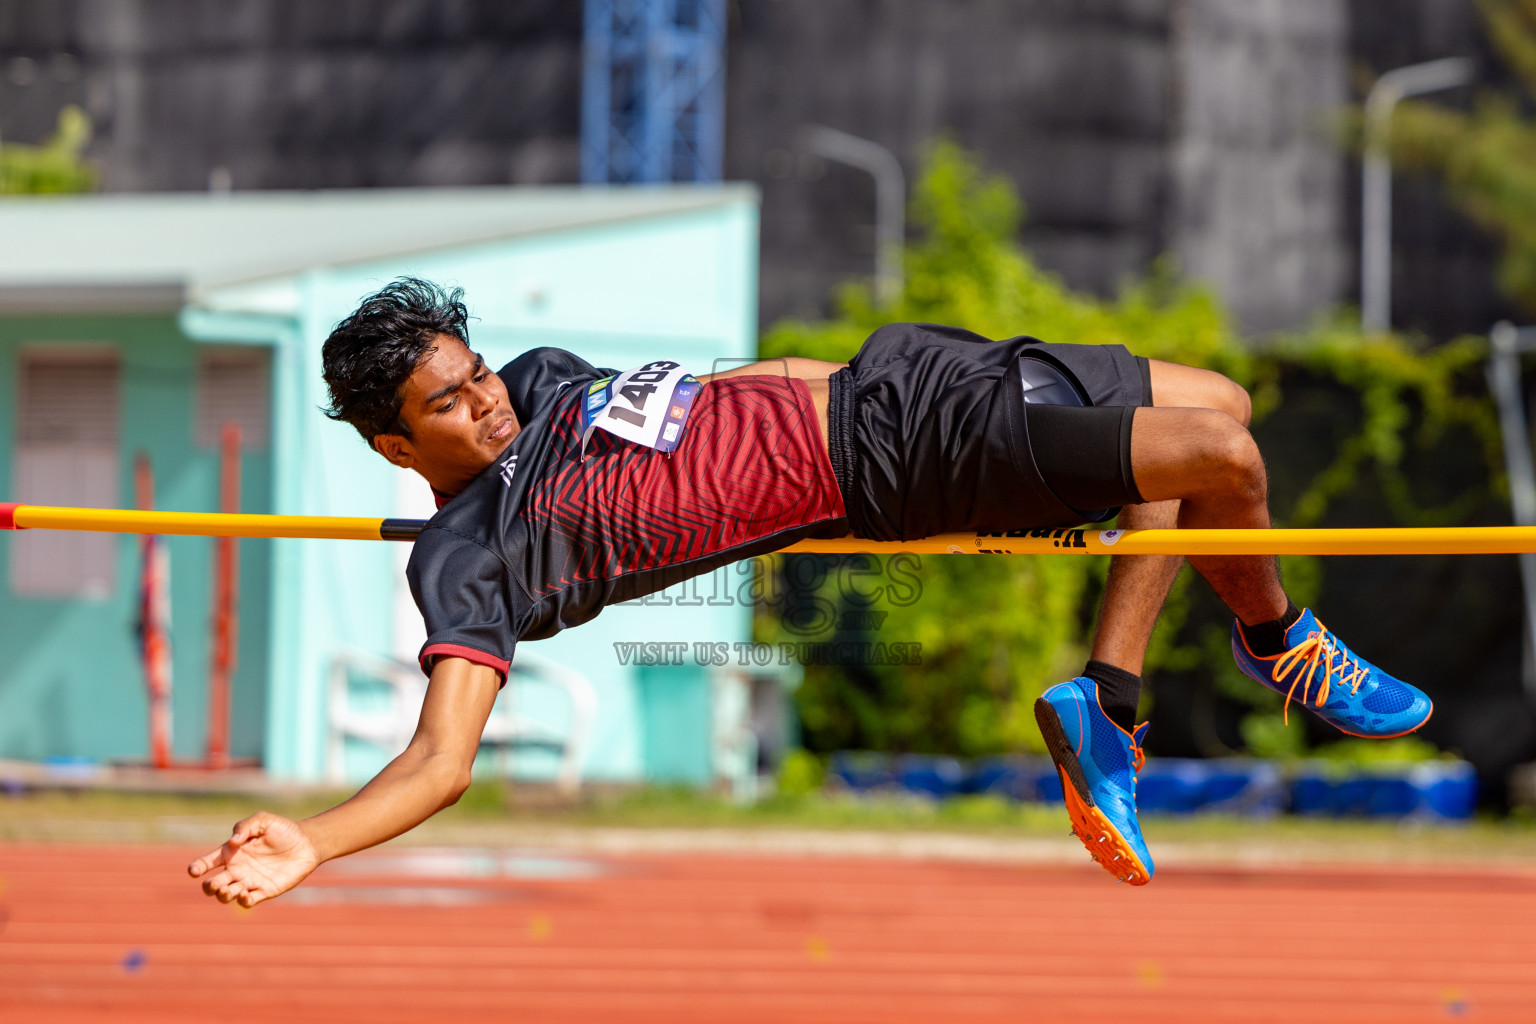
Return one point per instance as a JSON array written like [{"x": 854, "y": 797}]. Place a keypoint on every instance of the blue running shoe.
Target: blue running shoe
[
  {"x": 1098, "y": 762},
  {"x": 1335, "y": 683}
]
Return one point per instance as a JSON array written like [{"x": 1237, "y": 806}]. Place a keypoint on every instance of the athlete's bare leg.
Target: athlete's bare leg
[
  {"x": 1187, "y": 387},
  {"x": 1209, "y": 462},
  {"x": 1135, "y": 591},
  {"x": 1139, "y": 584}
]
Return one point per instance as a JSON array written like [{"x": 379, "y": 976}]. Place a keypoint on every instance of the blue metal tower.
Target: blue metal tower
[{"x": 653, "y": 91}]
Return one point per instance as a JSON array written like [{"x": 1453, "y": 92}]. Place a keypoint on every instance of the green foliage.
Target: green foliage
[
  {"x": 1356, "y": 753},
  {"x": 993, "y": 634},
  {"x": 800, "y": 773},
  {"x": 1266, "y": 734},
  {"x": 1487, "y": 157},
  {"x": 54, "y": 167},
  {"x": 968, "y": 270},
  {"x": 1408, "y": 397},
  {"x": 996, "y": 632}
]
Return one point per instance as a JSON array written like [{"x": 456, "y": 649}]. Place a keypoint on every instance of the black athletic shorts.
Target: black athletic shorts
[{"x": 930, "y": 433}]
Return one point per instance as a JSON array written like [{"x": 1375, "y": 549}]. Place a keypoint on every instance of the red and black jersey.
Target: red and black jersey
[{"x": 547, "y": 536}]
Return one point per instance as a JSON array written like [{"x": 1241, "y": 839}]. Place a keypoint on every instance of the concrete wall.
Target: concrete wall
[
  {"x": 1257, "y": 199},
  {"x": 1132, "y": 127},
  {"x": 1070, "y": 100},
  {"x": 291, "y": 94}
]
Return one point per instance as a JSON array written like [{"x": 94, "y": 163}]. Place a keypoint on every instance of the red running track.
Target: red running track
[{"x": 98, "y": 934}]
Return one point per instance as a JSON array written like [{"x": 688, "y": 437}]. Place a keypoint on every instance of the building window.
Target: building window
[
  {"x": 232, "y": 388},
  {"x": 68, "y": 436}
]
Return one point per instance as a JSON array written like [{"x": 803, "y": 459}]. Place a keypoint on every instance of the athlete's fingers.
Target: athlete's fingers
[
  {"x": 250, "y": 898},
  {"x": 230, "y": 890},
  {"x": 247, "y": 829},
  {"x": 243, "y": 832},
  {"x": 206, "y": 863},
  {"x": 214, "y": 882}
]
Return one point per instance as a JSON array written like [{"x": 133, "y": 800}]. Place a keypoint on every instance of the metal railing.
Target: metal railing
[{"x": 1507, "y": 342}]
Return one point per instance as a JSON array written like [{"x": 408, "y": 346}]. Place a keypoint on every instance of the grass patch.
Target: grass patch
[{"x": 492, "y": 813}]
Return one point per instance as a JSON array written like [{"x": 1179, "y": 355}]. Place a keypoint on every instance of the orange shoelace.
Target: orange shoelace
[
  {"x": 1138, "y": 756},
  {"x": 1318, "y": 648}
]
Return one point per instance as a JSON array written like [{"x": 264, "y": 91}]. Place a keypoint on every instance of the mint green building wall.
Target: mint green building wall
[
  {"x": 681, "y": 286},
  {"x": 675, "y": 709},
  {"x": 71, "y": 683}
]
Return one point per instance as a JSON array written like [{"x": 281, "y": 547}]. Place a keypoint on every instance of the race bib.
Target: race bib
[{"x": 649, "y": 405}]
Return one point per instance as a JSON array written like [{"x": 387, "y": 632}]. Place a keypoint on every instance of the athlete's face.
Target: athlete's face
[{"x": 458, "y": 415}]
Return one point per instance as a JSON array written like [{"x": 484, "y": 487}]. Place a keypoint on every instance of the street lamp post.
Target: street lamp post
[
  {"x": 890, "y": 198},
  {"x": 1376, "y": 179}
]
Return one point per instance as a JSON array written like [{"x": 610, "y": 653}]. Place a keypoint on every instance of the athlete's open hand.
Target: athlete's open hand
[{"x": 265, "y": 857}]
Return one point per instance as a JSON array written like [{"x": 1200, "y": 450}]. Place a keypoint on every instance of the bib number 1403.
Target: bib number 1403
[{"x": 648, "y": 405}]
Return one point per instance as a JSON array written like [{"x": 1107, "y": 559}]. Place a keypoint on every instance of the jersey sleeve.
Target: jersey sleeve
[
  {"x": 466, "y": 598},
  {"x": 537, "y": 377}
]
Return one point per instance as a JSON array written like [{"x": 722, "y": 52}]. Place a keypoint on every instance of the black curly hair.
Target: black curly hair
[{"x": 371, "y": 353}]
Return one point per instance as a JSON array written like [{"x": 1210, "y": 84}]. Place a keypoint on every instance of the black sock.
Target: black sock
[
  {"x": 1267, "y": 639},
  {"x": 1119, "y": 692}
]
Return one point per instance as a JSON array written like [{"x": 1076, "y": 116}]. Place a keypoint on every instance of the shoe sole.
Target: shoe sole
[
  {"x": 1379, "y": 736},
  {"x": 1098, "y": 834},
  {"x": 1357, "y": 735},
  {"x": 1390, "y": 736}
]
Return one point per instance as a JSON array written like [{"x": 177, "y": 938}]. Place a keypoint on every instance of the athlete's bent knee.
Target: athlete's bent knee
[
  {"x": 1224, "y": 394},
  {"x": 1234, "y": 461},
  {"x": 1191, "y": 452},
  {"x": 1235, "y": 401}
]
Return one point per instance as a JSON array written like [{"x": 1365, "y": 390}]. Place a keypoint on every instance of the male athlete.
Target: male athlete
[{"x": 560, "y": 492}]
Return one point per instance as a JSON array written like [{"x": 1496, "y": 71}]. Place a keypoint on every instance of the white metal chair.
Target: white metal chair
[{"x": 391, "y": 725}]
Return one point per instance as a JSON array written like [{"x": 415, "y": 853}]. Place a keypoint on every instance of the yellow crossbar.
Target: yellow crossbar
[
  {"x": 1458, "y": 540},
  {"x": 198, "y": 524}
]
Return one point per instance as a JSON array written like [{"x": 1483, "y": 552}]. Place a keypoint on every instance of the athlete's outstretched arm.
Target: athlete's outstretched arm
[{"x": 268, "y": 854}]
